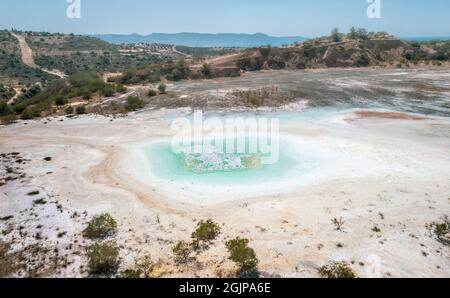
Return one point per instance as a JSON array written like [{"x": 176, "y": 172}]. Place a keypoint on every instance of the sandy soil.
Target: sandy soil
[{"x": 389, "y": 172}]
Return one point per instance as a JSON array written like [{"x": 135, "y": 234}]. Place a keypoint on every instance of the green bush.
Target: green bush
[
  {"x": 80, "y": 110},
  {"x": 337, "y": 270},
  {"x": 29, "y": 113},
  {"x": 19, "y": 108},
  {"x": 134, "y": 103},
  {"x": 60, "y": 100},
  {"x": 121, "y": 88},
  {"x": 6, "y": 92},
  {"x": 85, "y": 93},
  {"x": 151, "y": 93},
  {"x": 243, "y": 256},
  {"x": 440, "y": 229},
  {"x": 178, "y": 71},
  {"x": 206, "y": 231},
  {"x": 100, "y": 226},
  {"x": 5, "y": 109},
  {"x": 182, "y": 250},
  {"x": 362, "y": 60},
  {"x": 103, "y": 258},
  {"x": 8, "y": 119},
  {"x": 162, "y": 88},
  {"x": 108, "y": 91},
  {"x": 69, "y": 110}
]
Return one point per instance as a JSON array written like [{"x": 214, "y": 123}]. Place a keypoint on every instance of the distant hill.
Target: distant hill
[
  {"x": 369, "y": 49},
  {"x": 426, "y": 38},
  {"x": 203, "y": 40}
]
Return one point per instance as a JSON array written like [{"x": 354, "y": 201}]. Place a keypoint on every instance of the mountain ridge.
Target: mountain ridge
[{"x": 231, "y": 40}]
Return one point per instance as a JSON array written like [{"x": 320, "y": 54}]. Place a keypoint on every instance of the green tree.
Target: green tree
[
  {"x": 335, "y": 36},
  {"x": 353, "y": 33},
  {"x": 362, "y": 34},
  {"x": 243, "y": 256}
]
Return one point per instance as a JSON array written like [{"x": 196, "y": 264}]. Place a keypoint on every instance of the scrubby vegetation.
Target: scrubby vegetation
[
  {"x": 100, "y": 227},
  {"x": 358, "y": 48},
  {"x": 151, "y": 93},
  {"x": 152, "y": 73},
  {"x": 75, "y": 53},
  {"x": 338, "y": 223},
  {"x": 244, "y": 256},
  {"x": 134, "y": 103},
  {"x": 162, "y": 88},
  {"x": 206, "y": 231},
  {"x": 206, "y": 70},
  {"x": 11, "y": 66},
  {"x": 131, "y": 274},
  {"x": 200, "y": 53},
  {"x": 80, "y": 110},
  {"x": 69, "y": 110},
  {"x": 257, "y": 97},
  {"x": 7, "y": 119},
  {"x": 35, "y": 101},
  {"x": 182, "y": 251},
  {"x": 103, "y": 258},
  {"x": 337, "y": 270},
  {"x": 6, "y": 92},
  {"x": 121, "y": 88},
  {"x": 440, "y": 229}
]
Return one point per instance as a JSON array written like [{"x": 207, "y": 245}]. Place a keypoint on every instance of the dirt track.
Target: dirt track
[{"x": 28, "y": 59}]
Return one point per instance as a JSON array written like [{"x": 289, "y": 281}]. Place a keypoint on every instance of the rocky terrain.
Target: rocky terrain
[{"x": 326, "y": 54}]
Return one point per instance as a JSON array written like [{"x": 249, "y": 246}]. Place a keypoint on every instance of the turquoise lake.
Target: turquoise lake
[{"x": 170, "y": 166}]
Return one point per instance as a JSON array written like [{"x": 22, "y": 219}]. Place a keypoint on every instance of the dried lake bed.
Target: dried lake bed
[{"x": 370, "y": 146}]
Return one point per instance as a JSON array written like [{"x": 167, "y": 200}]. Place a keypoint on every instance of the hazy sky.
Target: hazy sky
[{"x": 308, "y": 18}]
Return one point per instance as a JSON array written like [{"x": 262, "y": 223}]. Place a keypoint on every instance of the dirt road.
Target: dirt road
[{"x": 28, "y": 59}]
